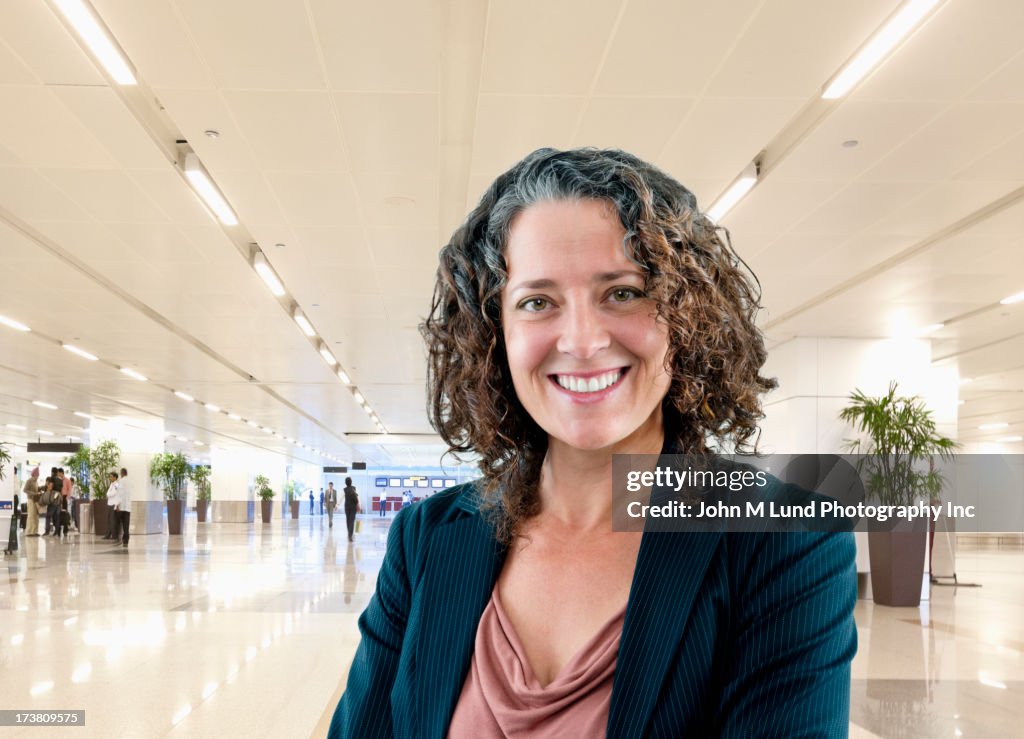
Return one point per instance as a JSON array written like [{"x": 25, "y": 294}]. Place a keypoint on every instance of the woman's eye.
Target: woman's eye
[
  {"x": 625, "y": 294},
  {"x": 534, "y": 305}
]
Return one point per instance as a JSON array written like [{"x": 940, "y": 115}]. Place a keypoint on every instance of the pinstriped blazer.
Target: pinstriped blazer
[{"x": 725, "y": 634}]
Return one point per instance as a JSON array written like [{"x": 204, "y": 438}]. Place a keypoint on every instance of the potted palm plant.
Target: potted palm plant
[
  {"x": 898, "y": 468},
  {"x": 169, "y": 470},
  {"x": 103, "y": 459},
  {"x": 266, "y": 495},
  {"x": 200, "y": 476},
  {"x": 5, "y": 458}
]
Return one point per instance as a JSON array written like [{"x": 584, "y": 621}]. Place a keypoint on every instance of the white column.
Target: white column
[{"x": 231, "y": 485}]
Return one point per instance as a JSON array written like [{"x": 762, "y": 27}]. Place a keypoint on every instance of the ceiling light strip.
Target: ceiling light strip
[
  {"x": 11, "y": 323},
  {"x": 735, "y": 192},
  {"x": 208, "y": 192},
  {"x": 897, "y": 28},
  {"x": 87, "y": 24}
]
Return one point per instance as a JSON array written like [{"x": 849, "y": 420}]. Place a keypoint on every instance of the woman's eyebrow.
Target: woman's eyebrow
[{"x": 544, "y": 283}]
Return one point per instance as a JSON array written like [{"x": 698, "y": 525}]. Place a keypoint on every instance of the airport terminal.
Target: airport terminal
[{"x": 220, "y": 229}]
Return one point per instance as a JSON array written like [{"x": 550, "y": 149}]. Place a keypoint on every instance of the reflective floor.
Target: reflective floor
[{"x": 247, "y": 630}]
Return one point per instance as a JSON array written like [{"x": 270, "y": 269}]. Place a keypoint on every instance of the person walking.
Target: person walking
[
  {"x": 311, "y": 502},
  {"x": 76, "y": 496},
  {"x": 122, "y": 503},
  {"x": 53, "y": 490},
  {"x": 322, "y": 500},
  {"x": 332, "y": 503},
  {"x": 352, "y": 507},
  {"x": 32, "y": 496}
]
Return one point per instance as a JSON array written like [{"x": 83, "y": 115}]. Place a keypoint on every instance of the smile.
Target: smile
[{"x": 591, "y": 383}]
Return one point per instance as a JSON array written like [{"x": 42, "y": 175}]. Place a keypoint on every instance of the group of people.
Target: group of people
[{"x": 55, "y": 499}]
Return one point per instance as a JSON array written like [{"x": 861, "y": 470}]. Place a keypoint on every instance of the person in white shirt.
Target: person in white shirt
[
  {"x": 122, "y": 505},
  {"x": 112, "y": 496}
]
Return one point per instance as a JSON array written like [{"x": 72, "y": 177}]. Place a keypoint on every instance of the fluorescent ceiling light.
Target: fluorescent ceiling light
[
  {"x": 992, "y": 426},
  {"x": 198, "y": 443},
  {"x": 212, "y": 407},
  {"x": 133, "y": 374},
  {"x": 266, "y": 430},
  {"x": 253, "y": 424},
  {"x": 234, "y": 417},
  {"x": 203, "y": 185},
  {"x": 44, "y": 432},
  {"x": 41, "y": 404},
  {"x": 1011, "y": 439},
  {"x": 267, "y": 274},
  {"x": 895, "y": 30},
  {"x": 11, "y": 323},
  {"x": 80, "y": 352},
  {"x": 304, "y": 324},
  {"x": 181, "y": 438},
  {"x": 343, "y": 376},
  {"x": 88, "y": 26},
  {"x": 326, "y": 354},
  {"x": 80, "y": 414},
  {"x": 735, "y": 193},
  {"x": 184, "y": 396},
  {"x": 15, "y": 426},
  {"x": 359, "y": 397},
  {"x": 369, "y": 411},
  {"x": 1016, "y": 298}
]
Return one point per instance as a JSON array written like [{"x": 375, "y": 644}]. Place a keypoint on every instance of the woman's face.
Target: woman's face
[{"x": 586, "y": 353}]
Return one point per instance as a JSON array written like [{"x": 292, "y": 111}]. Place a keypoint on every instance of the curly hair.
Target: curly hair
[{"x": 704, "y": 293}]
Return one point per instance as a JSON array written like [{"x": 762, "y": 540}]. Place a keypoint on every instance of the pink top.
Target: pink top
[{"x": 502, "y": 698}]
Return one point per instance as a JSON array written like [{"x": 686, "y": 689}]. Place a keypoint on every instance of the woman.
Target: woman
[
  {"x": 590, "y": 283},
  {"x": 352, "y": 506}
]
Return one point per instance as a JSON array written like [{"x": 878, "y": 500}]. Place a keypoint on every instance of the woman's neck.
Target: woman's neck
[{"x": 576, "y": 484}]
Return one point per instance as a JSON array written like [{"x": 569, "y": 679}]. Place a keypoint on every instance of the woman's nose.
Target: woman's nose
[{"x": 583, "y": 331}]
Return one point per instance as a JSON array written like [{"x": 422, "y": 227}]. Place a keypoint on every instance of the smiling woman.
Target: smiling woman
[{"x": 587, "y": 308}]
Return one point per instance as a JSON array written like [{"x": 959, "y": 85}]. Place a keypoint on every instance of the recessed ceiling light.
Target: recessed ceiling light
[
  {"x": 253, "y": 424},
  {"x": 15, "y": 426},
  {"x": 327, "y": 355},
  {"x": 80, "y": 352},
  {"x": 267, "y": 274},
  {"x": 11, "y": 323},
  {"x": 41, "y": 404},
  {"x": 266, "y": 430},
  {"x": 1011, "y": 439},
  {"x": 100, "y": 42},
  {"x": 198, "y": 443},
  {"x": 184, "y": 396},
  {"x": 1015, "y": 298},
  {"x": 80, "y": 414},
  {"x": 304, "y": 324},
  {"x": 196, "y": 174},
  {"x": 212, "y": 133},
  {"x": 212, "y": 407},
  {"x": 44, "y": 432},
  {"x": 133, "y": 374},
  {"x": 234, "y": 417},
  {"x": 343, "y": 376},
  {"x": 740, "y": 187},
  {"x": 992, "y": 426},
  {"x": 900, "y": 25}
]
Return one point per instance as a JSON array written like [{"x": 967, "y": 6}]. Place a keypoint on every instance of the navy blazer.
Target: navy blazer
[{"x": 725, "y": 634}]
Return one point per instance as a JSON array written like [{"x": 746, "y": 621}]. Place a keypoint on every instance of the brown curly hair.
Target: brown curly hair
[{"x": 704, "y": 293}]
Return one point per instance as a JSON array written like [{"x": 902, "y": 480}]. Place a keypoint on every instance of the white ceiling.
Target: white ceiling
[{"x": 357, "y": 134}]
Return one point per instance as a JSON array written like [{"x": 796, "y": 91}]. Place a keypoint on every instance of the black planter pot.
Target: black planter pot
[
  {"x": 100, "y": 511},
  {"x": 897, "y": 564},
  {"x": 175, "y": 516}
]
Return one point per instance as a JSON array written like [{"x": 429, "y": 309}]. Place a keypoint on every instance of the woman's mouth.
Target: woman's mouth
[{"x": 589, "y": 383}]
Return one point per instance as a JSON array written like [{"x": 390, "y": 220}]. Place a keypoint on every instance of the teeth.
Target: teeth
[{"x": 591, "y": 384}]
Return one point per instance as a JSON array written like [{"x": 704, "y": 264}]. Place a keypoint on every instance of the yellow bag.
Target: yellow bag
[{"x": 359, "y": 525}]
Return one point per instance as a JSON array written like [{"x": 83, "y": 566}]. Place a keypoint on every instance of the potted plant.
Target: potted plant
[
  {"x": 200, "y": 476},
  {"x": 169, "y": 470},
  {"x": 103, "y": 459},
  {"x": 291, "y": 490},
  {"x": 5, "y": 458},
  {"x": 898, "y": 468},
  {"x": 78, "y": 466},
  {"x": 266, "y": 494}
]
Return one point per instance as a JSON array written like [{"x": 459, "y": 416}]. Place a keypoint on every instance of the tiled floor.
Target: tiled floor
[{"x": 247, "y": 630}]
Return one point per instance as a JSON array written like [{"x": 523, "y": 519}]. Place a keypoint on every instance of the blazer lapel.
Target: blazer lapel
[
  {"x": 458, "y": 577},
  {"x": 669, "y": 571}
]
